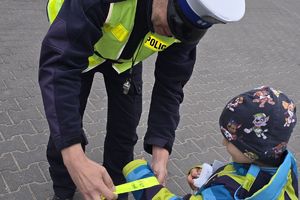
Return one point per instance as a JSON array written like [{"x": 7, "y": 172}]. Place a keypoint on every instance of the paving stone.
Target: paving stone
[
  {"x": 24, "y": 159},
  {"x": 185, "y": 164},
  {"x": 218, "y": 138},
  {"x": 33, "y": 92},
  {"x": 186, "y": 148},
  {"x": 185, "y": 121},
  {"x": 33, "y": 141},
  {"x": 20, "y": 83},
  {"x": 18, "y": 116},
  {"x": 96, "y": 155},
  {"x": 15, "y": 144},
  {"x": 206, "y": 128},
  {"x": 173, "y": 170},
  {"x": 9, "y": 105},
  {"x": 12, "y": 93},
  {"x": 93, "y": 129},
  {"x": 175, "y": 154},
  {"x": 44, "y": 166},
  {"x": 206, "y": 143},
  {"x": 176, "y": 188},
  {"x": 95, "y": 142},
  {"x": 22, "y": 193},
  {"x": 41, "y": 191},
  {"x": 141, "y": 129},
  {"x": 22, "y": 128},
  {"x": 4, "y": 118},
  {"x": 95, "y": 95},
  {"x": 96, "y": 116},
  {"x": 3, "y": 71},
  {"x": 204, "y": 116},
  {"x": 41, "y": 110},
  {"x": 294, "y": 145},
  {"x": 87, "y": 119},
  {"x": 40, "y": 125},
  {"x": 188, "y": 108},
  {"x": 186, "y": 133},
  {"x": 144, "y": 156},
  {"x": 3, "y": 188},
  {"x": 139, "y": 147},
  {"x": 209, "y": 156},
  {"x": 29, "y": 103},
  {"x": 223, "y": 153},
  {"x": 16, "y": 179},
  {"x": 7, "y": 162},
  {"x": 97, "y": 103}
]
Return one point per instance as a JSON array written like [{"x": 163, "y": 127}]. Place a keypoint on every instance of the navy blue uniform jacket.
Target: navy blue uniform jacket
[{"x": 64, "y": 55}]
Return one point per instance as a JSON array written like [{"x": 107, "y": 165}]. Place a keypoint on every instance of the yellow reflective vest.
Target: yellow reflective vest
[{"x": 116, "y": 32}]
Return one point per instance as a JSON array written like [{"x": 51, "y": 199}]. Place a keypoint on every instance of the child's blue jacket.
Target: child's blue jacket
[
  {"x": 241, "y": 181},
  {"x": 237, "y": 181}
]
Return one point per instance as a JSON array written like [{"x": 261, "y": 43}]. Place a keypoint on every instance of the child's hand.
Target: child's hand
[
  {"x": 193, "y": 174},
  {"x": 199, "y": 175}
]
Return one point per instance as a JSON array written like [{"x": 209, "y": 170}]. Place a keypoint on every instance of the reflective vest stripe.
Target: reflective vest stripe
[
  {"x": 53, "y": 8},
  {"x": 116, "y": 32}
]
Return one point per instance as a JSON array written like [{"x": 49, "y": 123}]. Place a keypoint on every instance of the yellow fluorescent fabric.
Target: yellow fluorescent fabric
[
  {"x": 137, "y": 185},
  {"x": 120, "y": 32},
  {"x": 163, "y": 193},
  {"x": 116, "y": 32}
]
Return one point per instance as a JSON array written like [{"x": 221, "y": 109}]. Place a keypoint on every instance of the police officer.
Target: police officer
[{"x": 113, "y": 37}]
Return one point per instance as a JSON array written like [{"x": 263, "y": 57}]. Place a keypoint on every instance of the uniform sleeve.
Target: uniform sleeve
[
  {"x": 173, "y": 69},
  {"x": 64, "y": 54}
]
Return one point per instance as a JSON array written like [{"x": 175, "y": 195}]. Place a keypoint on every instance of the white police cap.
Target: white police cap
[
  {"x": 189, "y": 19},
  {"x": 221, "y": 10}
]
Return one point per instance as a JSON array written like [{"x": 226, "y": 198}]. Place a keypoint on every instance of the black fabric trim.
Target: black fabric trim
[
  {"x": 295, "y": 183},
  {"x": 230, "y": 184},
  {"x": 149, "y": 193},
  {"x": 261, "y": 180},
  {"x": 286, "y": 196},
  {"x": 214, "y": 174},
  {"x": 187, "y": 197}
]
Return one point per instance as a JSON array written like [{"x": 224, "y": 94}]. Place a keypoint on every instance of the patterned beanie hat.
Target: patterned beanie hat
[{"x": 259, "y": 123}]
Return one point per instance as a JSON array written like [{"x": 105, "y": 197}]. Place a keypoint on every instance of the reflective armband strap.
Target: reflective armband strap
[{"x": 135, "y": 185}]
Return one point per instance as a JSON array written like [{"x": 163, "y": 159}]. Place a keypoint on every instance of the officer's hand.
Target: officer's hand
[
  {"x": 160, "y": 157},
  {"x": 91, "y": 179},
  {"x": 159, "y": 17}
]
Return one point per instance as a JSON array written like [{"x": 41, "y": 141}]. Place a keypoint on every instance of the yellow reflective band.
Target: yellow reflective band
[
  {"x": 136, "y": 185},
  {"x": 155, "y": 44}
]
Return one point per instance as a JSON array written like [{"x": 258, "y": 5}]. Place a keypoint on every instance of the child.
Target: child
[{"x": 256, "y": 126}]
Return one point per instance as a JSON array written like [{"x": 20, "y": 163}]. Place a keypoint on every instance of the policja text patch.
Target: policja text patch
[{"x": 155, "y": 44}]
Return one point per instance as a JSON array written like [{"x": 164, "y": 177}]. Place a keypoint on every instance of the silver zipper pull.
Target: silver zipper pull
[{"x": 126, "y": 87}]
